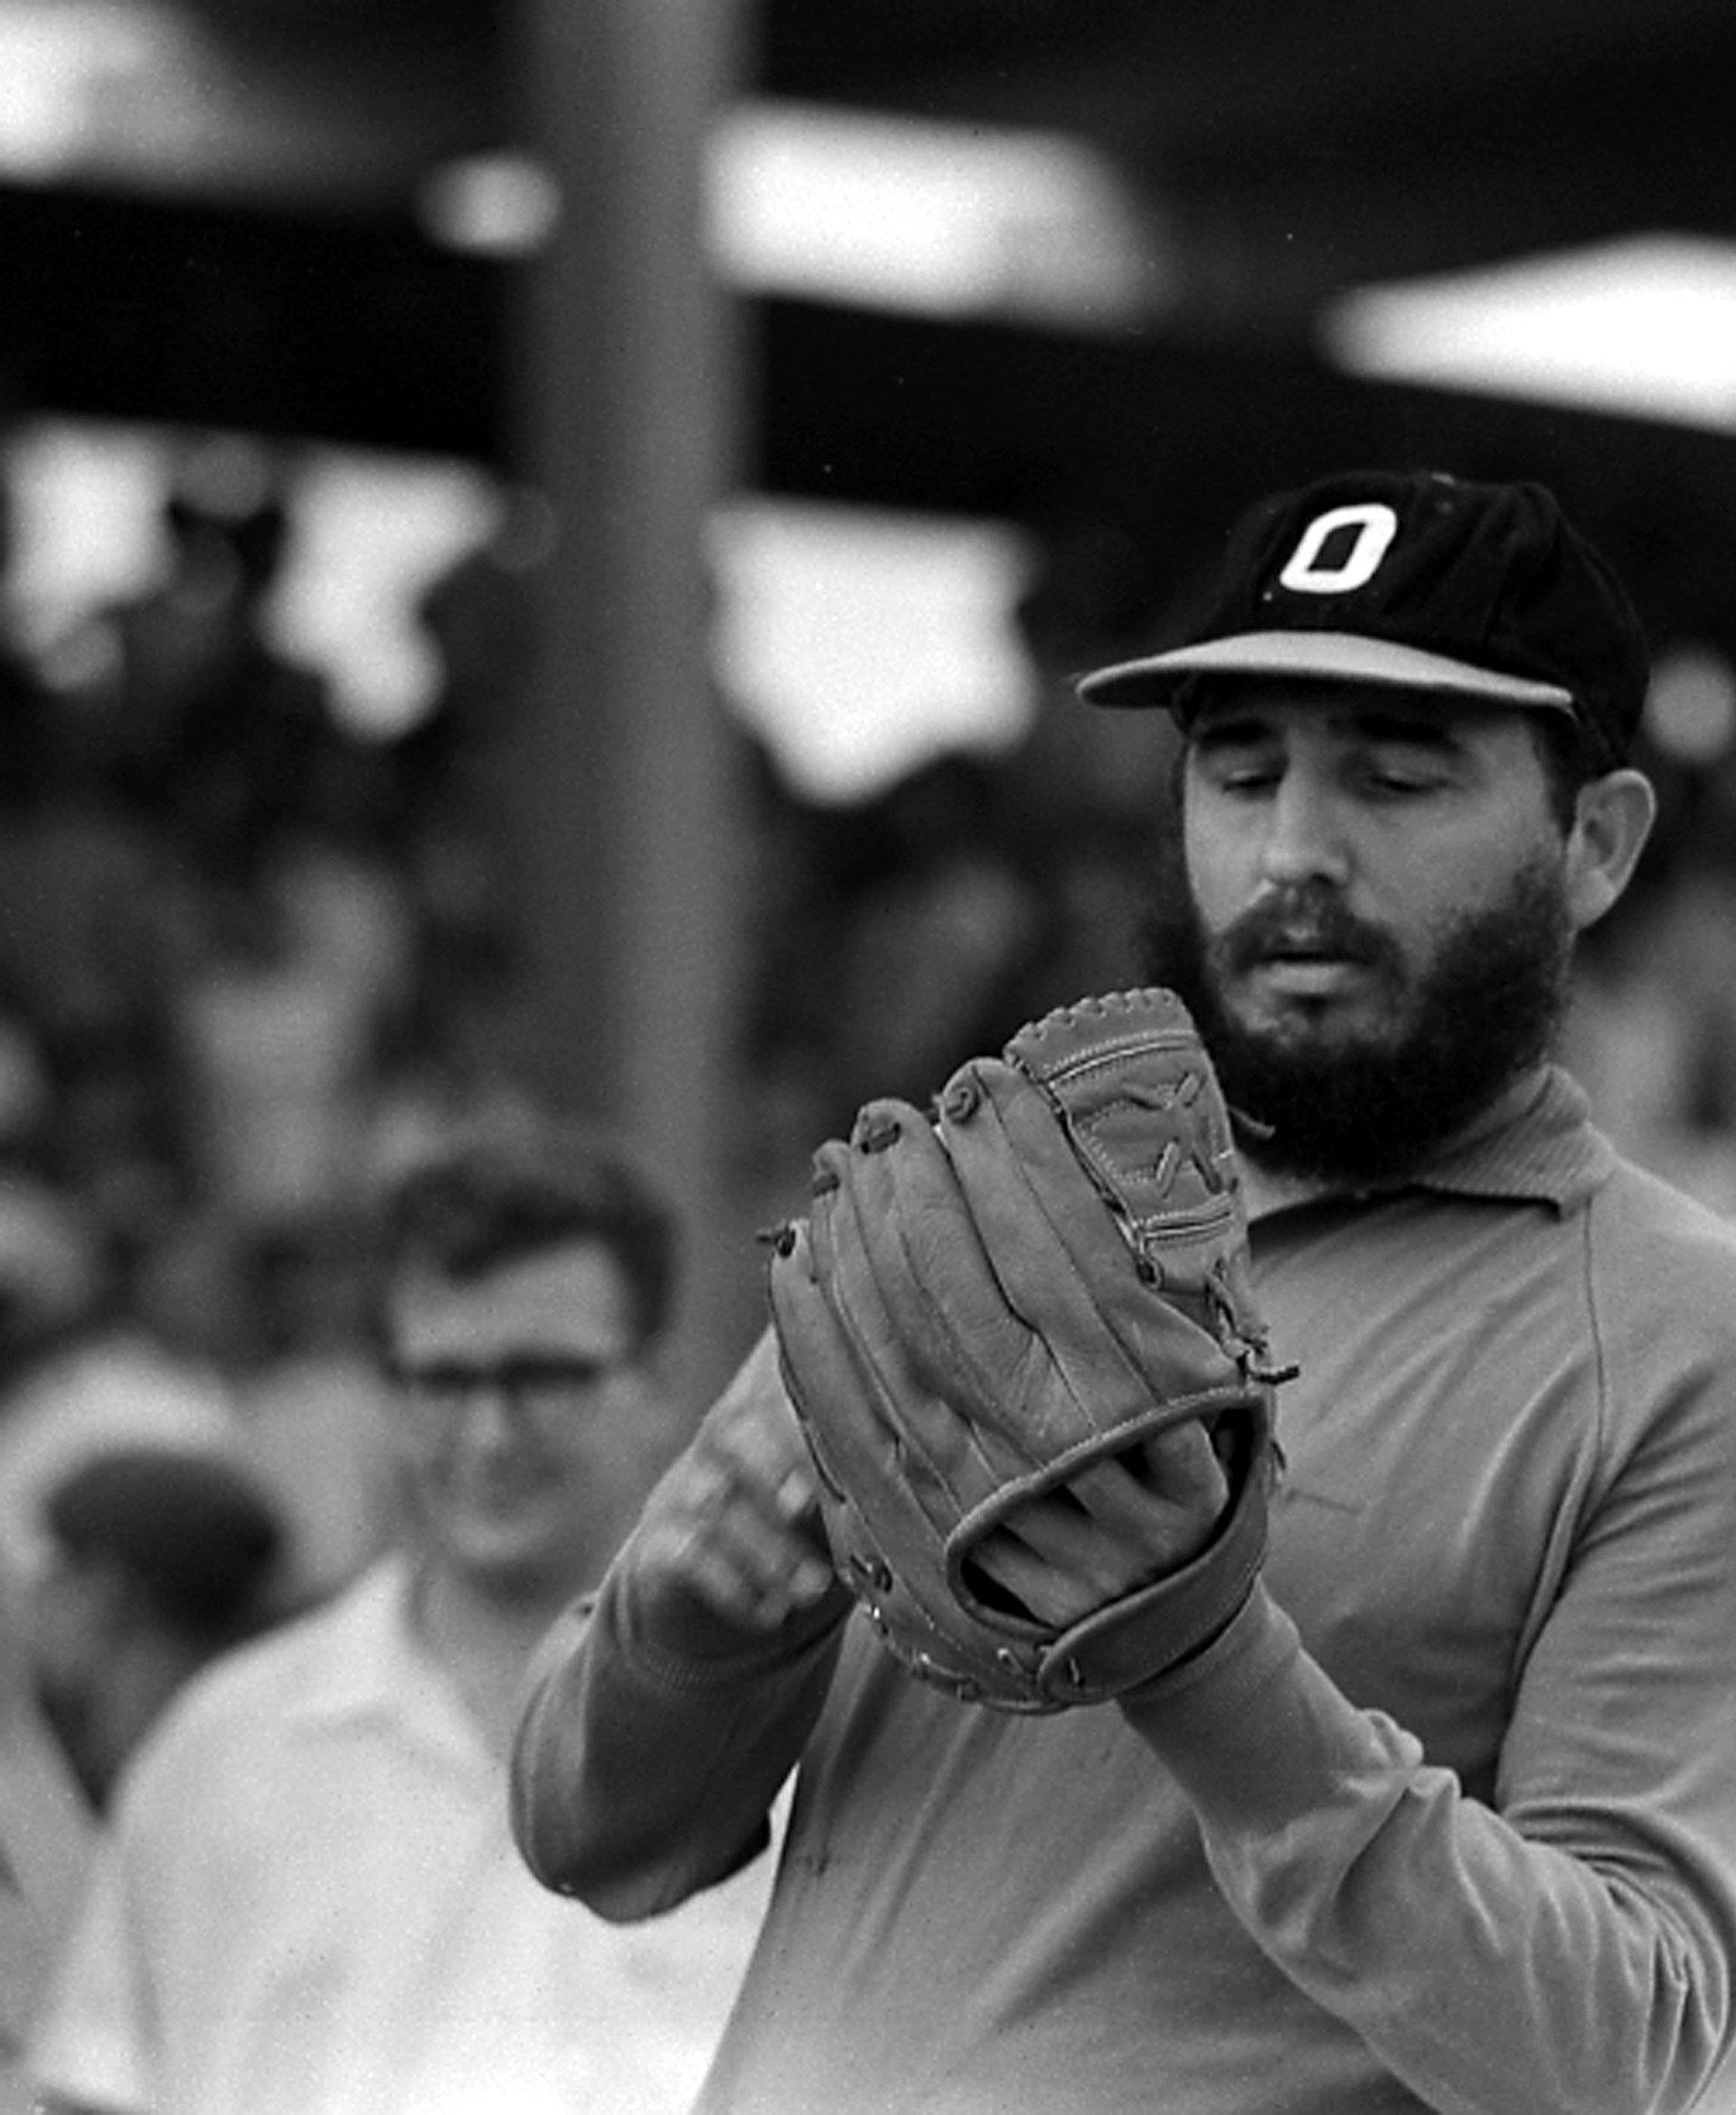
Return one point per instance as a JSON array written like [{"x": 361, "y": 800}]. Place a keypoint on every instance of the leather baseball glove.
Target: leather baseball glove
[{"x": 1008, "y": 1299}]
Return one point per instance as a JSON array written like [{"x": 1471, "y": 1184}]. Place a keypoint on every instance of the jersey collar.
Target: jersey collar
[{"x": 1535, "y": 1144}]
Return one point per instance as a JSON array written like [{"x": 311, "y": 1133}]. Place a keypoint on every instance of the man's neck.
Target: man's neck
[
  {"x": 482, "y": 1639},
  {"x": 1266, "y": 1189}
]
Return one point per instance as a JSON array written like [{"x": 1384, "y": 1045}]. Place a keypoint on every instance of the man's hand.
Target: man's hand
[
  {"x": 735, "y": 1519},
  {"x": 1111, "y": 1530}
]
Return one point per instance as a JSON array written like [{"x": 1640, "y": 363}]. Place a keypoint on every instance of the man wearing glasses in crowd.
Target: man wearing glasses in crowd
[{"x": 311, "y": 1901}]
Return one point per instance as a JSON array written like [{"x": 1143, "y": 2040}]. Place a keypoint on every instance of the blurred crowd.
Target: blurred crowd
[
  {"x": 247, "y": 953},
  {"x": 252, "y": 959}
]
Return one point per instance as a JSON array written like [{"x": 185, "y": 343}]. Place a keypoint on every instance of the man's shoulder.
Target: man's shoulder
[
  {"x": 1637, "y": 1216},
  {"x": 1660, "y": 1298},
  {"x": 247, "y": 1698}
]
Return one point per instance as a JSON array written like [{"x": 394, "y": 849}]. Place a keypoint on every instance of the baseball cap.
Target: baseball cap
[{"x": 1419, "y": 580}]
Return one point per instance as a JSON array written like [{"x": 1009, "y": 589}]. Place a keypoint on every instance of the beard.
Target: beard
[{"x": 1315, "y": 1104}]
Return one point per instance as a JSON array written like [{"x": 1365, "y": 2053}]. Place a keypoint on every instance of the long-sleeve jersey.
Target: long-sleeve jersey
[{"x": 1446, "y": 1819}]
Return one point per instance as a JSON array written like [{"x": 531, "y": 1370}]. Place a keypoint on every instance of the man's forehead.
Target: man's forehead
[
  {"x": 1366, "y": 709},
  {"x": 569, "y": 1297}
]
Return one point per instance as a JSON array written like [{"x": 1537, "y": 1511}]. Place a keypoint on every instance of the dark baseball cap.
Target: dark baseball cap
[{"x": 1422, "y": 582}]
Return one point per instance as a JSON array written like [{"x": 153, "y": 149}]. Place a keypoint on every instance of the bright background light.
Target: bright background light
[
  {"x": 946, "y": 219},
  {"x": 1645, "y": 328},
  {"x": 77, "y": 75},
  {"x": 861, "y": 644}
]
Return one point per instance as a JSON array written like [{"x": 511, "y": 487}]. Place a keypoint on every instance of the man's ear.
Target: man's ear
[{"x": 1613, "y": 818}]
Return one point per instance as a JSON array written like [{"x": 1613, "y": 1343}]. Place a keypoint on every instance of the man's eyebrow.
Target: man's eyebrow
[
  {"x": 1234, "y": 726},
  {"x": 1226, "y": 728},
  {"x": 1423, "y": 730}
]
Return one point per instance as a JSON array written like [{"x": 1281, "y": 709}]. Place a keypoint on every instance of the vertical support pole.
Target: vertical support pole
[{"x": 626, "y": 410}]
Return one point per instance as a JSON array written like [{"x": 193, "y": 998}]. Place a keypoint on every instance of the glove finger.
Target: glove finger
[
  {"x": 1055, "y": 1245},
  {"x": 931, "y": 1232},
  {"x": 904, "y": 1226},
  {"x": 923, "y": 1246},
  {"x": 822, "y": 1363},
  {"x": 898, "y": 1467},
  {"x": 886, "y": 1508},
  {"x": 882, "y": 1237}
]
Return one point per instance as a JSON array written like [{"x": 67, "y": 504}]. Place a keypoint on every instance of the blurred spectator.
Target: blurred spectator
[
  {"x": 310, "y": 1899},
  {"x": 896, "y": 946},
  {"x": 452, "y": 832},
  {"x": 902, "y": 933},
  {"x": 53, "y": 1270},
  {"x": 47, "y": 1831},
  {"x": 279, "y": 1033},
  {"x": 270, "y": 1317},
  {"x": 1652, "y": 1029},
  {"x": 192, "y": 715},
  {"x": 280, "y": 938},
  {"x": 81, "y": 1369},
  {"x": 232, "y": 923},
  {"x": 160, "y": 1560},
  {"x": 86, "y": 955},
  {"x": 313, "y": 1407}
]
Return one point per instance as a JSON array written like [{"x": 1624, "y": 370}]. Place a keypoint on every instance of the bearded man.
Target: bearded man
[{"x": 1444, "y": 1816}]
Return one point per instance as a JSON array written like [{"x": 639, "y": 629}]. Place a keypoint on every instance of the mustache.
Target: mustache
[{"x": 1301, "y": 923}]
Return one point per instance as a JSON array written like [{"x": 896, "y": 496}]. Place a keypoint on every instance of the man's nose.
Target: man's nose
[
  {"x": 1304, "y": 835},
  {"x": 488, "y": 1421}
]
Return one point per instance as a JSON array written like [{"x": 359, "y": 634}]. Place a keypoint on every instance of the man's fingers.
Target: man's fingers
[
  {"x": 1113, "y": 1528},
  {"x": 1027, "y": 1580},
  {"x": 1056, "y": 1562},
  {"x": 747, "y": 1567},
  {"x": 1178, "y": 1473},
  {"x": 736, "y": 1518}
]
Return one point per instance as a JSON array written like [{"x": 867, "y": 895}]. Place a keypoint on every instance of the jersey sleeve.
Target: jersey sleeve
[
  {"x": 1565, "y": 1946},
  {"x": 655, "y": 1741}
]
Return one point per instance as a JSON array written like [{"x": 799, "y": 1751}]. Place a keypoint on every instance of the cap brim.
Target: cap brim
[{"x": 1346, "y": 656}]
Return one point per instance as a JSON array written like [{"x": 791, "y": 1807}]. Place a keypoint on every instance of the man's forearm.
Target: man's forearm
[
  {"x": 653, "y": 1746},
  {"x": 1489, "y": 1969}
]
